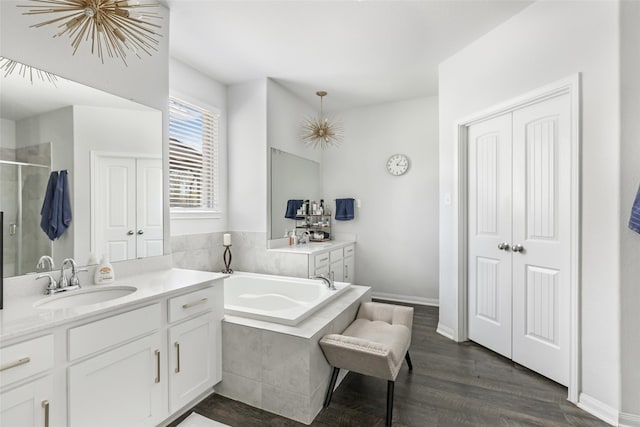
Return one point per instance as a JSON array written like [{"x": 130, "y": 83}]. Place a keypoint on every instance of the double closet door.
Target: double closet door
[
  {"x": 519, "y": 231},
  {"x": 128, "y": 212}
]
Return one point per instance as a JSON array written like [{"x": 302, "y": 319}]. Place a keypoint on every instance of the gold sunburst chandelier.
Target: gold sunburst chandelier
[
  {"x": 9, "y": 66},
  {"x": 113, "y": 26},
  {"x": 321, "y": 131}
]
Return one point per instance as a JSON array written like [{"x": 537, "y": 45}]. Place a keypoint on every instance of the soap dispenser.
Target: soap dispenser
[{"x": 104, "y": 272}]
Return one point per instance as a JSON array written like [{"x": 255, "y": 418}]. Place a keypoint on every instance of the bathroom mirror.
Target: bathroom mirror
[
  {"x": 292, "y": 177},
  {"x": 111, "y": 149}
]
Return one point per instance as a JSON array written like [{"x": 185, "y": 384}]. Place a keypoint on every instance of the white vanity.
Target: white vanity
[
  {"x": 336, "y": 258},
  {"x": 134, "y": 360}
]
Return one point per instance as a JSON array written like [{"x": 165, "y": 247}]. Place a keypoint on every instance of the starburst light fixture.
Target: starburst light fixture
[
  {"x": 9, "y": 66},
  {"x": 113, "y": 26},
  {"x": 321, "y": 131}
]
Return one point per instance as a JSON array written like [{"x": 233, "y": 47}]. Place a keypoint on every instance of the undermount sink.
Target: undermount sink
[{"x": 83, "y": 297}]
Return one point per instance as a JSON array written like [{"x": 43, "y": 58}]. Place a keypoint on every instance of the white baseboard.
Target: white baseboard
[
  {"x": 598, "y": 409},
  {"x": 629, "y": 420},
  {"x": 405, "y": 298},
  {"x": 446, "y": 331}
]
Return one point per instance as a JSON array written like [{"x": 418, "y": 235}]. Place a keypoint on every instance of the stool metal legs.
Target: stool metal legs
[
  {"x": 390, "y": 386},
  {"x": 408, "y": 359},
  {"x": 332, "y": 384}
]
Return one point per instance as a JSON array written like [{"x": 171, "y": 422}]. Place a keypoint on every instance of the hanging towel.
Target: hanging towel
[
  {"x": 292, "y": 209},
  {"x": 344, "y": 209},
  {"x": 61, "y": 205},
  {"x": 634, "y": 221},
  {"x": 46, "y": 212}
]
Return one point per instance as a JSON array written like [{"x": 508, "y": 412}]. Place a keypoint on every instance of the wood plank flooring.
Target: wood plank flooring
[{"x": 451, "y": 385}]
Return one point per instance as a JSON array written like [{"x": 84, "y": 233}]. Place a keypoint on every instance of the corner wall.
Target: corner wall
[
  {"x": 630, "y": 241},
  {"x": 397, "y": 224},
  {"x": 540, "y": 45}
]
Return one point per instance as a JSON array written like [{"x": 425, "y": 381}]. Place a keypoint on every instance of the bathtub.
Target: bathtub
[{"x": 277, "y": 299}]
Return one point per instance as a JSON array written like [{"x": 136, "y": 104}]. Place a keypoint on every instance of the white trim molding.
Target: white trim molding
[
  {"x": 598, "y": 409},
  {"x": 405, "y": 298},
  {"x": 629, "y": 420},
  {"x": 446, "y": 331},
  {"x": 572, "y": 87}
]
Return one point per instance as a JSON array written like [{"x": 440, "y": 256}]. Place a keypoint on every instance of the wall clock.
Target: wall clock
[{"x": 397, "y": 164}]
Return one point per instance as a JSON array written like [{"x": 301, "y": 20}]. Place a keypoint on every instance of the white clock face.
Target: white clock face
[{"x": 398, "y": 164}]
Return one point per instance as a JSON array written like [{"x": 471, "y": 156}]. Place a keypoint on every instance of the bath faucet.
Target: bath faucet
[
  {"x": 45, "y": 263},
  {"x": 327, "y": 280},
  {"x": 73, "y": 282}
]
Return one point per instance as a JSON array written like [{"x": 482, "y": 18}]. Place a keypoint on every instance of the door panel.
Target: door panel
[
  {"x": 489, "y": 226},
  {"x": 541, "y": 224},
  {"x": 149, "y": 207}
]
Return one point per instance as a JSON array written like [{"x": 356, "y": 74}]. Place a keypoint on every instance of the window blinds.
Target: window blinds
[{"x": 193, "y": 156}]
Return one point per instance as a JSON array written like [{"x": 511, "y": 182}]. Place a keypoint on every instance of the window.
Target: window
[{"x": 193, "y": 157}]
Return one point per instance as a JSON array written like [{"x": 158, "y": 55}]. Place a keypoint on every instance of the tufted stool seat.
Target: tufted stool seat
[{"x": 375, "y": 344}]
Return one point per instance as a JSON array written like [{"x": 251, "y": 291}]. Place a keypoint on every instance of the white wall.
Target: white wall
[
  {"x": 143, "y": 80},
  {"x": 285, "y": 115},
  {"x": 7, "y": 134},
  {"x": 247, "y": 145},
  {"x": 397, "y": 226},
  {"x": 544, "y": 43},
  {"x": 106, "y": 130},
  {"x": 630, "y": 179},
  {"x": 192, "y": 86}
]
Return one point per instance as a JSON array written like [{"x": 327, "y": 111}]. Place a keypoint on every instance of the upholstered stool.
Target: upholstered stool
[{"x": 374, "y": 344}]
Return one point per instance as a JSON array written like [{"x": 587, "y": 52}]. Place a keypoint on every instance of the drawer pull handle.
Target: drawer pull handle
[
  {"x": 177, "y": 346},
  {"x": 45, "y": 406},
  {"x": 324, "y": 259},
  {"x": 20, "y": 362},
  {"x": 192, "y": 304},
  {"x": 157, "y": 352}
]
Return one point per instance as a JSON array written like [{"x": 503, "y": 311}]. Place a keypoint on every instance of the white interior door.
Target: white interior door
[
  {"x": 490, "y": 228},
  {"x": 115, "y": 207},
  {"x": 541, "y": 225},
  {"x": 519, "y": 224},
  {"x": 149, "y": 208}
]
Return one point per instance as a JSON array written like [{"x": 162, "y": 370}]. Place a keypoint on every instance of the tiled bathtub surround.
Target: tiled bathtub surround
[
  {"x": 249, "y": 253},
  {"x": 280, "y": 368},
  {"x": 198, "y": 252}
]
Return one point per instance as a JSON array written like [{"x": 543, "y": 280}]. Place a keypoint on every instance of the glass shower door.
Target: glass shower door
[{"x": 21, "y": 196}]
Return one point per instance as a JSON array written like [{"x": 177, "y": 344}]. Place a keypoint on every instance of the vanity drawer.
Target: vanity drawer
[
  {"x": 321, "y": 261},
  {"x": 349, "y": 250},
  {"x": 336, "y": 255},
  {"x": 25, "y": 359},
  {"x": 192, "y": 303},
  {"x": 104, "y": 333}
]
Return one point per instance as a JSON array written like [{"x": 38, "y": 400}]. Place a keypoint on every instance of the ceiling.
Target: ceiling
[{"x": 361, "y": 52}]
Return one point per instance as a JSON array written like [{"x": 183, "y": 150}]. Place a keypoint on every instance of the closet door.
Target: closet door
[
  {"x": 489, "y": 204},
  {"x": 115, "y": 208},
  {"x": 149, "y": 208},
  {"x": 541, "y": 226}
]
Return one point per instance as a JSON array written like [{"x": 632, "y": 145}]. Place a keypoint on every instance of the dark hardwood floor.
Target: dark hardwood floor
[{"x": 451, "y": 385}]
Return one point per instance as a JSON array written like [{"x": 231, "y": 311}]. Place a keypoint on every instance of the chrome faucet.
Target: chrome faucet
[
  {"x": 45, "y": 263},
  {"x": 73, "y": 282},
  {"x": 328, "y": 281}
]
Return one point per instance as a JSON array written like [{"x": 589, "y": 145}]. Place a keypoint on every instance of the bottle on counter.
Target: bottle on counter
[{"x": 104, "y": 272}]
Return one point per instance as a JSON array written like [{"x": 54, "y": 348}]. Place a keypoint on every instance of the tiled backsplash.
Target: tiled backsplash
[{"x": 249, "y": 254}]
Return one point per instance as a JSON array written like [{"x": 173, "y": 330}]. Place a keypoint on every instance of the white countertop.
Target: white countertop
[
  {"x": 20, "y": 317},
  {"x": 312, "y": 248}
]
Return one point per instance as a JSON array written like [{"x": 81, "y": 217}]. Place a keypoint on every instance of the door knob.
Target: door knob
[
  {"x": 517, "y": 248},
  {"x": 503, "y": 246},
  {"x": 140, "y": 232},
  {"x": 130, "y": 233}
]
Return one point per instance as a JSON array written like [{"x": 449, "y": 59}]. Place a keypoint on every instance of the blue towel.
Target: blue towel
[
  {"x": 292, "y": 209},
  {"x": 47, "y": 211},
  {"x": 634, "y": 221},
  {"x": 64, "y": 215},
  {"x": 344, "y": 209}
]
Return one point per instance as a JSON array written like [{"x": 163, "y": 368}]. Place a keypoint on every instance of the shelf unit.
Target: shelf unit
[{"x": 315, "y": 224}]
